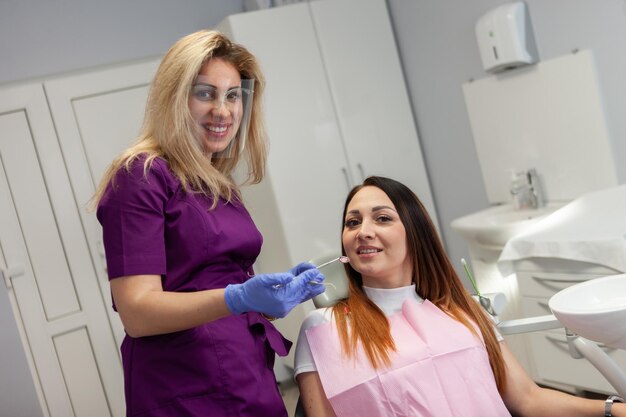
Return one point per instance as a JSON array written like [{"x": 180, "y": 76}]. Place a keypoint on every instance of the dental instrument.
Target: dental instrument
[{"x": 342, "y": 259}]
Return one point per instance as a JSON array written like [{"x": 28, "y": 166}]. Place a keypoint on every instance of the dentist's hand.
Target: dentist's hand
[
  {"x": 301, "y": 267},
  {"x": 275, "y": 294}
]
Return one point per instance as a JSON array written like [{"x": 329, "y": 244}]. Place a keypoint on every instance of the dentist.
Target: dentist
[{"x": 180, "y": 243}]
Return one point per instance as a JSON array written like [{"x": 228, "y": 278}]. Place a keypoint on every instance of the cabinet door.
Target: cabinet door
[
  {"x": 97, "y": 115},
  {"x": 337, "y": 110},
  {"x": 555, "y": 365},
  {"x": 51, "y": 279},
  {"x": 369, "y": 93},
  {"x": 548, "y": 352}
]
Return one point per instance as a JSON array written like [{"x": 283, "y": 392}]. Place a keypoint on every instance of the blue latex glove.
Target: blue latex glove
[
  {"x": 275, "y": 294},
  {"x": 301, "y": 267}
]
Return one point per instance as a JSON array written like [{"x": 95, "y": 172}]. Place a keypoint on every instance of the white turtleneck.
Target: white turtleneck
[{"x": 390, "y": 300}]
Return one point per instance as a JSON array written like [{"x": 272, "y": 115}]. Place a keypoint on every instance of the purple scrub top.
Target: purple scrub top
[{"x": 151, "y": 226}]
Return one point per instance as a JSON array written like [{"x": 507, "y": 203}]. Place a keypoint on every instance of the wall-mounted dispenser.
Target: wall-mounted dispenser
[{"x": 505, "y": 38}]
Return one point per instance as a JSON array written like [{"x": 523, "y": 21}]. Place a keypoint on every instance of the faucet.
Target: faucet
[{"x": 526, "y": 190}]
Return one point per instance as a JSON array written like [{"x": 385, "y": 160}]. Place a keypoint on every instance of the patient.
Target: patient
[{"x": 409, "y": 340}]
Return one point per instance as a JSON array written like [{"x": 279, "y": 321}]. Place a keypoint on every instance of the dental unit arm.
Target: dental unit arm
[{"x": 579, "y": 347}]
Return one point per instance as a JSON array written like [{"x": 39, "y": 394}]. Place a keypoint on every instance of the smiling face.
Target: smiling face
[
  {"x": 215, "y": 103},
  {"x": 374, "y": 239}
]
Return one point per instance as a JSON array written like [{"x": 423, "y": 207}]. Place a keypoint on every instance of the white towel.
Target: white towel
[{"x": 590, "y": 229}]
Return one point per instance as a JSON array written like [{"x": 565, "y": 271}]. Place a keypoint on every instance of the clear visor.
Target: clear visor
[{"x": 234, "y": 105}]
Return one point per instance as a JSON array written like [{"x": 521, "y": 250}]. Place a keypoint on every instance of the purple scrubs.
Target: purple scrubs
[{"x": 223, "y": 368}]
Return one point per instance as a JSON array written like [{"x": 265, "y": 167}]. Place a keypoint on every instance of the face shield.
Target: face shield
[{"x": 229, "y": 115}]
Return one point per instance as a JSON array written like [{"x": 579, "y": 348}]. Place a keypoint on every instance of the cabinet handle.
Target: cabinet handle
[
  {"x": 548, "y": 279},
  {"x": 558, "y": 343},
  {"x": 11, "y": 272},
  {"x": 545, "y": 306},
  {"x": 346, "y": 177},
  {"x": 563, "y": 345},
  {"x": 361, "y": 171},
  {"x": 552, "y": 283}
]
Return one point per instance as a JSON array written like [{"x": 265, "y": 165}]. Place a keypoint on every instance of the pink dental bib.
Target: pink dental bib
[{"x": 440, "y": 369}]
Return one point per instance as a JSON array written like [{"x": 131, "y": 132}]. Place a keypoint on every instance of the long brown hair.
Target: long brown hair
[
  {"x": 360, "y": 321},
  {"x": 168, "y": 129}
]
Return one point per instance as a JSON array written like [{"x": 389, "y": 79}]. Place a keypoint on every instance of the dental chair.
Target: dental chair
[
  {"x": 337, "y": 289},
  {"x": 494, "y": 304}
]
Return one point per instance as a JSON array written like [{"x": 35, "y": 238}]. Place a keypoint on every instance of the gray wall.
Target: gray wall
[
  {"x": 41, "y": 38},
  {"x": 437, "y": 45}
]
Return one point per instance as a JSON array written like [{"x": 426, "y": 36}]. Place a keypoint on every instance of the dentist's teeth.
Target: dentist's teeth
[{"x": 217, "y": 129}]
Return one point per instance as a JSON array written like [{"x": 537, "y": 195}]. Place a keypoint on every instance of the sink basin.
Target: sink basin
[
  {"x": 494, "y": 226},
  {"x": 594, "y": 309}
]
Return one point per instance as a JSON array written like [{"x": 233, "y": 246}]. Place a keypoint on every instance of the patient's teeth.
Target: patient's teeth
[{"x": 368, "y": 251}]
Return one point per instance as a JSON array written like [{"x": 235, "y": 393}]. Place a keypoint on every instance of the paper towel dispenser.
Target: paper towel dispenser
[{"x": 505, "y": 38}]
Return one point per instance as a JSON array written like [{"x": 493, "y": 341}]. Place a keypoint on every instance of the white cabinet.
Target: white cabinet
[
  {"x": 551, "y": 364},
  {"x": 49, "y": 275},
  {"x": 56, "y": 138},
  {"x": 97, "y": 115},
  {"x": 337, "y": 111}
]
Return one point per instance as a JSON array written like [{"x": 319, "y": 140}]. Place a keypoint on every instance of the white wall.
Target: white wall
[{"x": 439, "y": 52}]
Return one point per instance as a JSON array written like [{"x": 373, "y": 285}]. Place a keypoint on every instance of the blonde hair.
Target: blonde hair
[
  {"x": 360, "y": 321},
  {"x": 169, "y": 131}
]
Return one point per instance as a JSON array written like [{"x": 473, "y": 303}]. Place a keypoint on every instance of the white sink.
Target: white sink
[
  {"x": 594, "y": 309},
  {"x": 494, "y": 226}
]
